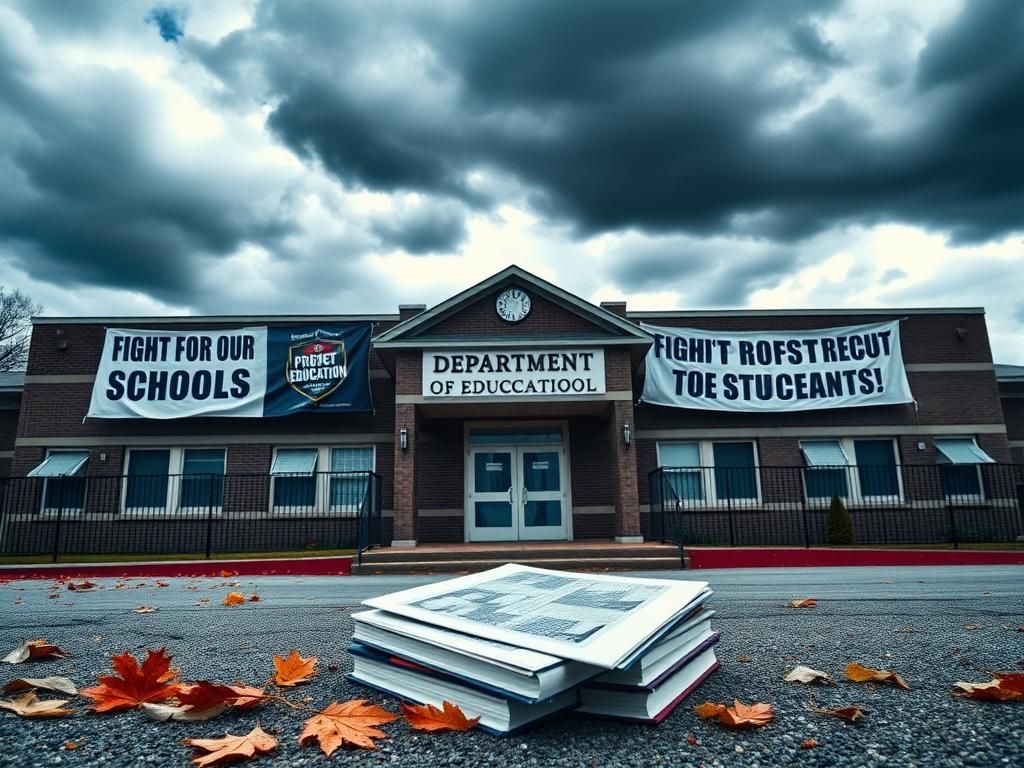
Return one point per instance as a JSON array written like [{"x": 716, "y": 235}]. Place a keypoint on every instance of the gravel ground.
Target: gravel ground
[{"x": 862, "y": 615}]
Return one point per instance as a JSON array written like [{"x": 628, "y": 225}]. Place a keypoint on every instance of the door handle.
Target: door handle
[
  {"x": 510, "y": 495},
  {"x": 526, "y": 496}
]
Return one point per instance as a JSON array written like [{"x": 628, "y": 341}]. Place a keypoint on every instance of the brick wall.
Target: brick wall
[{"x": 1013, "y": 412}]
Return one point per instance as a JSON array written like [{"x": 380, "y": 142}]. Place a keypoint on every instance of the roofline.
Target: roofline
[
  {"x": 187, "y": 319},
  {"x": 808, "y": 312},
  {"x": 525, "y": 343},
  {"x": 512, "y": 270}
]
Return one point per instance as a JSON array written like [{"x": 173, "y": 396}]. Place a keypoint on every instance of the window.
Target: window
[
  {"x": 321, "y": 479},
  {"x": 64, "y": 486},
  {"x": 873, "y": 476},
  {"x": 187, "y": 480},
  {"x": 960, "y": 460},
  {"x": 716, "y": 472}
]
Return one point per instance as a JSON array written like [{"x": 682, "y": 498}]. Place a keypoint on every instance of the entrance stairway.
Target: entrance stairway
[{"x": 590, "y": 555}]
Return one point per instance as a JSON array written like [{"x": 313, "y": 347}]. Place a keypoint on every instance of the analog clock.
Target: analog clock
[{"x": 513, "y": 305}]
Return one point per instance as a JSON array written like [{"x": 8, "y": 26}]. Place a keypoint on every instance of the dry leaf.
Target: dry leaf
[
  {"x": 807, "y": 602},
  {"x": 743, "y": 659},
  {"x": 134, "y": 685},
  {"x": 80, "y": 586},
  {"x": 808, "y": 744},
  {"x": 234, "y": 598},
  {"x": 708, "y": 710},
  {"x": 231, "y": 747},
  {"x": 205, "y": 695},
  {"x": 27, "y": 705},
  {"x": 33, "y": 649},
  {"x": 351, "y": 722},
  {"x": 691, "y": 740},
  {"x": 972, "y": 626},
  {"x": 294, "y": 669},
  {"x": 59, "y": 684},
  {"x": 254, "y": 598},
  {"x": 164, "y": 712},
  {"x": 247, "y": 697},
  {"x": 741, "y": 715},
  {"x": 906, "y": 630},
  {"x": 851, "y": 714},
  {"x": 69, "y": 745},
  {"x": 858, "y": 673},
  {"x": 808, "y": 675},
  {"x": 145, "y": 609},
  {"x": 1004, "y": 686},
  {"x": 427, "y": 717}
]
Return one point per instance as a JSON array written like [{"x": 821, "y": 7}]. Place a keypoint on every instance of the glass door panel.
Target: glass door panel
[
  {"x": 492, "y": 496},
  {"x": 542, "y": 495}
]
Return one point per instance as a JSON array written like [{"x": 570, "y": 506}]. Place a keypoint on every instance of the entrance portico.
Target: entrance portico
[{"x": 515, "y": 401}]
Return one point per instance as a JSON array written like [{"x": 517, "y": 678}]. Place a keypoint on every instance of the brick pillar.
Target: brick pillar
[
  {"x": 405, "y": 477},
  {"x": 627, "y": 500}
]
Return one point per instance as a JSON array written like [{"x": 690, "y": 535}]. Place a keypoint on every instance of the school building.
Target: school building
[{"x": 513, "y": 411}]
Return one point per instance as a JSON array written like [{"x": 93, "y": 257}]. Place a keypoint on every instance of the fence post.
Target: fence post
[
  {"x": 209, "y": 518},
  {"x": 952, "y": 526},
  {"x": 60, "y": 515}
]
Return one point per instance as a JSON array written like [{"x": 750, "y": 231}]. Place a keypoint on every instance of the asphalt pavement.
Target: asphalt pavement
[{"x": 933, "y": 626}]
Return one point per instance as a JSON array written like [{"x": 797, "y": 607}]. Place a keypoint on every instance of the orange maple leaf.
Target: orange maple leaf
[
  {"x": 351, "y": 722},
  {"x": 134, "y": 685},
  {"x": 741, "y": 715},
  {"x": 230, "y": 747},
  {"x": 709, "y": 710},
  {"x": 807, "y": 602},
  {"x": 858, "y": 673},
  {"x": 233, "y": 598},
  {"x": 294, "y": 669},
  {"x": 427, "y": 717},
  {"x": 247, "y": 697},
  {"x": 1004, "y": 686}
]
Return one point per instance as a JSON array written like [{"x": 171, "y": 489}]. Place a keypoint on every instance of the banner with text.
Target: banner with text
[
  {"x": 776, "y": 370},
  {"x": 246, "y": 372},
  {"x": 515, "y": 373}
]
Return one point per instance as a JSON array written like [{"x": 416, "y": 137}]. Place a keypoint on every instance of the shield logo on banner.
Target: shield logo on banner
[{"x": 316, "y": 367}]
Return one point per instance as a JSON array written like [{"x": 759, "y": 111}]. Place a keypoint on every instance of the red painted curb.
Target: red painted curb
[
  {"x": 727, "y": 557},
  {"x": 313, "y": 566}
]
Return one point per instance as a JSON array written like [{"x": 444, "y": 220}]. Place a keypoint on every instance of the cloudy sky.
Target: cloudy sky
[{"x": 323, "y": 156}]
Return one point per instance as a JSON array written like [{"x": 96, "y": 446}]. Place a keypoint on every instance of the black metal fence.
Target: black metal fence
[
  {"x": 189, "y": 514},
  {"x": 793, "y": 506}
]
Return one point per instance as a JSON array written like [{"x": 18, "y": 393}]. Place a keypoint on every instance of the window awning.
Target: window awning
[
  {"x": 962, "y": 450},
  {"x": 824, "y": 453},
  {"x": 295, "y": 461},
  {"x": 61, "y": 464}
]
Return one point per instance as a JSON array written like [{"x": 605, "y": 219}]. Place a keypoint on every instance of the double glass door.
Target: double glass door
[{"x": 517, "y": 493}]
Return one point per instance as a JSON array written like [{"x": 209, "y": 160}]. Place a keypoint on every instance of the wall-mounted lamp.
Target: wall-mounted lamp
[
  {"x": 103, "y": 457},
  {"x": 961, "y": 333},
  {"x": 627, "y": 434},
  {"x": 403, "y": 438}
]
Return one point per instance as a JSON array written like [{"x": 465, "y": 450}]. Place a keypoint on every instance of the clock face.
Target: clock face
[{"x": 513, "y": 305}]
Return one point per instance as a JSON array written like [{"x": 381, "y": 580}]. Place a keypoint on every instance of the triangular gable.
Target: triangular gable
[{"x": 471, "y": 314}]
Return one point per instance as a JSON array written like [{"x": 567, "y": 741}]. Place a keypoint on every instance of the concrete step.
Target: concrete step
[
  {"x": 426, "y": 554},
  {"x": 556, "y": 563}
]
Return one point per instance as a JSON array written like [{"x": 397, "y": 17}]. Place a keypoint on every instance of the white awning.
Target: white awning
[
  {"x": 295, "y": 461},
  {"x": 824, "y": 453},
  {"x": 962, "y": 450},
  {"x": 61, "y": 464}
]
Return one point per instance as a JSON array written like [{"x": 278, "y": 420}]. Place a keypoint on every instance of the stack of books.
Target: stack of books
[{"x": 516, "y": 645}]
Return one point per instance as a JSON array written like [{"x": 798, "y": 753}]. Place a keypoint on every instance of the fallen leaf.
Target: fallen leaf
[
  {"x": 1004, "y": 686},
  {"x": 27, "y": 705},
  {"x": 743, "y": 659},
  {"x": 33, "y": 649},
  {"x": 691, "y": 740},
  {"x": 858, "y": 673},
  {"x": 228, "y": 574},
  {"x": 254, "y": 598},
  {"x": 808, "y": 744},
  {"x": 161, "y": 584},
  {"x": 807, "y": 602},
  {"x": 70, "y": 745},
  {"x": 247, "y": 697},
  {"x": 229, "y": 747},
  {"x": 888, "y": 581},
  {"x": 972, "y": 626},
  {"x": 165, "y": 712},
  {"x": 234, "y": 598},
  {"x": 19, "y": 601},
  {"x": 59, "y": 684},
  {"x": 708, "y": 710},
  {"x": 294, "y": 669},
  {"x": 351, "y": 722},
  {"x": 741, "y": 715},
  {"x": 80, "y": 586},
  {"x": 906, "y": 630},
  {"x": 851, "y": 714},
  {"x": 204, "y": 695},
  {"x": 808, "y": 675},
  {"x": 52, "y": 597},
  {"x": 145, "y": 609},
  {"x": 134, "y": 685},
  {"x": 427, "y": 717}
]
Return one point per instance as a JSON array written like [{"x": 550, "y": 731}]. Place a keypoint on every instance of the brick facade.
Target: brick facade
[{"x": 424, "y": 483}]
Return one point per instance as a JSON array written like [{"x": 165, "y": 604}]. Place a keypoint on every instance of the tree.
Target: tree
[
  {"x": 840, "y": 525},
  {"x": 16, "y": 311}
]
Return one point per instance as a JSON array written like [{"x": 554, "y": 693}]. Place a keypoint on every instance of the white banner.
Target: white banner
[
  {"x": 776, "y": 370},
  {"x": 514, "y": 373},
  {"x": 168, "y": 374}
]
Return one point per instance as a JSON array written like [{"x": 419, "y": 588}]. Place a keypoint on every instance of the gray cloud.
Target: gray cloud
[{"x": 433, "y": 227}]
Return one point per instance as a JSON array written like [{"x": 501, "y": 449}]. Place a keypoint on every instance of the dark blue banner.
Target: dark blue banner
[{"x": 323, "y": 368}]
